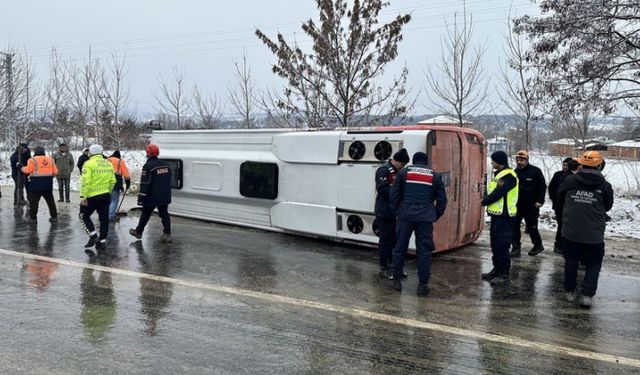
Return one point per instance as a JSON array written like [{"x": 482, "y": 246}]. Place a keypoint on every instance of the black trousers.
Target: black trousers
[
  {"x": 64, "y": 187},
  {"x": 18, "y": 191},
  {"x": 531, "y": 221},
  {"x": 501, "y": 234},
  {"x": 163, "y": 211},
  {"x": 592, "y": 254},
  {"x": 558, "y": 241},
  {"x": 386, "y": 240},
  {"x": 424, "y": 247},
  {"x": 34, "y": 202},
  {"x": 98, "y": 203}
]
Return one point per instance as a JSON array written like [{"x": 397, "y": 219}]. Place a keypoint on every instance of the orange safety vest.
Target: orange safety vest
[
  {"x": 40, "y": 166},
  {"x": 120, "y": 167}
]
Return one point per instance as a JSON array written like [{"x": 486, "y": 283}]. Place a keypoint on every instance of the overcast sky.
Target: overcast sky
[{"x": 204, "y": 37}]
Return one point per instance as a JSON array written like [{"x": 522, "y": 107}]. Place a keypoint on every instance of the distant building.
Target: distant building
[
  {"x": 499, "y": 144},
  {"x": 572, "y": 147},
  {"x": 629, "y": 149}
]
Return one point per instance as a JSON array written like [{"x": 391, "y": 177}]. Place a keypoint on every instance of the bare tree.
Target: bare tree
[
  {"x": 459, "y": 87},
  {"x": 172, "y": 99},
  {"x": 242, "y": 95},
  {"x": 207, "y": 109},
  {"x": 57, "y": 101},
  {"x": 115, "y": 96},
  {"x": 17, "y": 95},
  {"x": 335, "y": 83},
  {"x": 518, "y": 93},
  {"x": 84, "y": 95}
]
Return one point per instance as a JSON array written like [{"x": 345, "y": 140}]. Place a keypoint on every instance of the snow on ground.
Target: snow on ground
[{"x": 623, "y": 175}]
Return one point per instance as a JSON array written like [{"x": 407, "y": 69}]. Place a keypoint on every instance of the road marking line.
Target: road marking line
[{"x": 469, "y": 333}]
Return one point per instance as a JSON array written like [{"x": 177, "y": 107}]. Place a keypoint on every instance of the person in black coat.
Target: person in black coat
[
  {"x": 18, "y": 159},
  {"x": 584, "y": 199},
  {"x": 532, "y": 189},
  {"x": 385, "y": 218},
  {"x": 419, "y": 198},
  {"x": 83, "y": 158},
  {"x": 155, "y": 192},
  {"x": 569, "y": 165}
]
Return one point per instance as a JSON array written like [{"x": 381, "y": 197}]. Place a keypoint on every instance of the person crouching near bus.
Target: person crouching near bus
[
  {"x": 155, "y": 192},
  {"x": 385, "y": 218},
  {"x": 96, "y": 184},
  {"x": 122, "y": 180},
  {"x": 585, "y": 197},
  {"x": 413, "y": 194},
  {"x": 41, "y": 170},
  {"x": 501, "y": 203}
]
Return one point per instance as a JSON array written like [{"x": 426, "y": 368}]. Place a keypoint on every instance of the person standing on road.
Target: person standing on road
[
  {"x": 584, "y": 197},
  {"x": 82, "y": 159},
  {"x": 20, "y": 157},
  {"x": 155, "y": 192},
  {"x": 385, "y": 218},
  {"x": 568, "y": 166},
  {"x": 64, "y": 162},
  {"x": 531, "y": 194},
  {"x": 122, "y": 180},
  {"x": 419, "y": 197},
  {"x": 96, "y": 185},
  {"x": 501, "y": 203},
  {"x": 41, "y": 170}
]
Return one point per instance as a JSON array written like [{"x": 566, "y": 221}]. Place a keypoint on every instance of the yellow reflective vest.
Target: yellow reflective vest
[
  {"x": 497, "y": 207},
  {"x": 98, "y": 177}
]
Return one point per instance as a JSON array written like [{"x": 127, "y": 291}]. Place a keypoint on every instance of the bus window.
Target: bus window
[
  {"x": 259, "y": 180},
  {"x": 176, "y": 172}
]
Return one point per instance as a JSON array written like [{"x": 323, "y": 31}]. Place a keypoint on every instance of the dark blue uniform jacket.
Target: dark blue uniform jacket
[
  {"x": 155, "y": 183},
  {"x": 414, "y": 193}
]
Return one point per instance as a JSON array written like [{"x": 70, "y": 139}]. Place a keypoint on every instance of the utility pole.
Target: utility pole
[{"x": 10, "y": 125}]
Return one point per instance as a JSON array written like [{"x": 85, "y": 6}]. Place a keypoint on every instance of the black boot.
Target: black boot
[
  {"x": 515, "y": 251},
  {"x": 92, "y": 241},
  {"x": 500, "y": 280},
  {"x": 384, "y": 273},
  {"x": 489, "y": 275},
  {"x": 101, "y": 245},
  {"x": 423, "y": 290},
  {"x": 536, "y": 250},
  {"x": 396, "y": 285}
]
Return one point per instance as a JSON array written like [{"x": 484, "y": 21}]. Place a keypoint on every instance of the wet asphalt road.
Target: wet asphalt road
[{"x": 223, "y": 299}]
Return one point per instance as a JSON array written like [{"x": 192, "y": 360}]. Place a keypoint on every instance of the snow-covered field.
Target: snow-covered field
[{"x": 623, "y": 175}]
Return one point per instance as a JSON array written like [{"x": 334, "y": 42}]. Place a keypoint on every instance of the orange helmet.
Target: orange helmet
[
  {"x": 522, "y": 154},
  {"x": 592, "y": 159}
]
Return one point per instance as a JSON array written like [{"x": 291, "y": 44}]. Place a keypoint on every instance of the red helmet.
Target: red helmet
[{"x": 153, "y": 150}]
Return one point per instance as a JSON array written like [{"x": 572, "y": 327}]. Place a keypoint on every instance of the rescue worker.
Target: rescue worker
[
  {"x": 64, "y": 162},
  {"x": 584, "y": 199},
  {"x": 82, "y": 159},
  {"x": 385, "y": 218},
  {"x": 96, "y": 185},
  {"x": 41, "y": 170},
  {"x": 413, "y": 194},
  {"x": 155, "y": 192},
  {"x": 568, "y": 166},
  {"x": 501, "y": 203},
  {"x": 122, "y": 175},
  {"x": 20, "y": 157},
  {"x": 532, "y": 189}
]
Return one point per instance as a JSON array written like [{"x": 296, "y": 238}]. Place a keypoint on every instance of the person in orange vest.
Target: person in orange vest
[
  {"x": 122, "y": 176},
  {"x": 41, "y": 170}
]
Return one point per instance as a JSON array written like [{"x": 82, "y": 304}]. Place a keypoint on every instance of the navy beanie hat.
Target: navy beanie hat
[
  {"x": 39, "y": 151},
  {"x": 402, "y": 156},
  {"x": 420, "y": 158},
  {"x": 500, "y": 157}
]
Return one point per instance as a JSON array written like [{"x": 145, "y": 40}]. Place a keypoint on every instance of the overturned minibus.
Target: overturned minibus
[{"x": 319, "y": 182}]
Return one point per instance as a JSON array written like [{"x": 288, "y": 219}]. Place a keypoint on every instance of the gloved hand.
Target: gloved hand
[
  {"x": 18, "y": 165},
  {"x": 140, "y": 200},
  {"x": 127, "y": 184}
]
